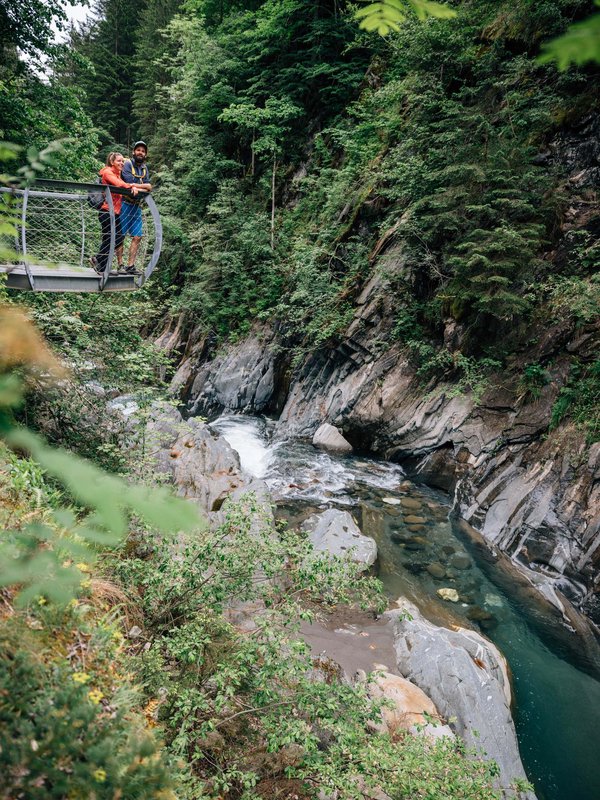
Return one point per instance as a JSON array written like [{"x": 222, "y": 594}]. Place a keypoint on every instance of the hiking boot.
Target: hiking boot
[{"x": 130, "y": 270}]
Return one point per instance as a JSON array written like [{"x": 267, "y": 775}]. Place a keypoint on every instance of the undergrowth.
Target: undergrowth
[{"x": 179, "y": 671}]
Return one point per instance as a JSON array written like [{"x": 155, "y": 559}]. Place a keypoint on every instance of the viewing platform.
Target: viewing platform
[{"x": 57, "y": 233}]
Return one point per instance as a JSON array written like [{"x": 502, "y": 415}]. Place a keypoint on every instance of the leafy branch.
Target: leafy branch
[
  {"x": 385, "y": 16},
  {"x": 578, "y": 45}
]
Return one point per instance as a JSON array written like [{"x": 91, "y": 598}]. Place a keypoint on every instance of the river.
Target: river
[{"x": 557, "y": 699}]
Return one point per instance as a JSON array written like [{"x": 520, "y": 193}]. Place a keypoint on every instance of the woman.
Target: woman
[{"x": 111, "y": 176}]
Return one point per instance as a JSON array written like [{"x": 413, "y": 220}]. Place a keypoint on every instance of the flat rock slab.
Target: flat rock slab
[
  {"x": 412, "y": 519},
  {"x": 410, "y": 502},
  {"x": 336, "y": 533}
]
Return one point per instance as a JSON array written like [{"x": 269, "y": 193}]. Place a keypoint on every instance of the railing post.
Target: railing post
[
  {"x": 111, "y": 251},
  {"x": 157, "y": 240},
  {"x": 82, "y": 256},
  {"x": 24, "y": 238}
]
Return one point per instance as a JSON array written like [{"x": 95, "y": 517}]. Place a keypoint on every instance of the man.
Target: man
[{"x": 134, "y": 171}]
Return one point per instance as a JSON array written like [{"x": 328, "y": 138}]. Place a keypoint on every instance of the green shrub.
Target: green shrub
[
  {"x": 578, "y": 400},
  {"x": 223, "y": 666},
  {"x": 66, "y": 732},
  {"x": 532, "y": 381}
]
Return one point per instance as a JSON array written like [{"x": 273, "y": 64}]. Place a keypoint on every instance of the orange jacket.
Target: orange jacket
[{"x": 110, "y": 177}]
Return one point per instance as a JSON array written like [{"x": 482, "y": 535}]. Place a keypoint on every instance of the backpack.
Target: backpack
[{"x": 94, "y": 198}]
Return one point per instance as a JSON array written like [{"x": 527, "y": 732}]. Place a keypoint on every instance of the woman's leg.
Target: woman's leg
[
  {"x": 101, "y": 258},
  {"x": 119, "y": 239}
]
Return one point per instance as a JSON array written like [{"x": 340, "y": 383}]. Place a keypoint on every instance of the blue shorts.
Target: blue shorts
[{"x": 131, "y": 219}]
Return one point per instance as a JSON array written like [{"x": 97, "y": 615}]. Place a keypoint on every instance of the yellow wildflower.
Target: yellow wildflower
[
  {"x": 41, "y": 601},
  {"x": 83, "y": 567},
  {"x": 80, "y": 677},
  {"x": 95, "y": 696},
  {"x": 100, "y": 775}
]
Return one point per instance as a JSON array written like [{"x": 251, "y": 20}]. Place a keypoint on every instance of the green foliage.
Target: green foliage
[
  {"x": 386, "y": 16},
  {"x": 104, "y": 67},
  {"x": 572, "y": 298},
  {"x": 66, "y": 730},
  {"x": 29, "y": 24},
  {"x": 468, "y": 374},
  {"x": 235, "y": 279},
  {"x": 579, "y": 45},
  {"x": 34, "y": 556},
  {"x": 532, "y": 381},
  {"x": 35, "y": 111},
  {"x": 150, "y": 106},
  {"x": 578, "y": 400},
  {"x": 102, "y": 339}
]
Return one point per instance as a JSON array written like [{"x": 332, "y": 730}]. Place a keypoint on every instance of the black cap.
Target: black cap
[{"x": 140, "y": 144}]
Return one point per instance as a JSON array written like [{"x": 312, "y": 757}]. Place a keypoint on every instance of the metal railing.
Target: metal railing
[{"x": 59, "y": 232}]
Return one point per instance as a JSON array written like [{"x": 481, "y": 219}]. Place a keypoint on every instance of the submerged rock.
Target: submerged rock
[
  {"x": 460, "y": 561},
  {"x": 335, "y": 532},
  {"x": 436, "y": 570},
  {"x": 478, "y": 614},
  {"x": 412, "y": 519},
  {"x": 448, "y": 594},
  {"x": 411, "y": 502}
]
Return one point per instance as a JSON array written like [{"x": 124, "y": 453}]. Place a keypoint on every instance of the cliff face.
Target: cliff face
[{"x": 532, "y": 492}]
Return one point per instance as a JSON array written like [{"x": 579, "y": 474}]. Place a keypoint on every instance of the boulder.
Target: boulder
[
  {"x": 413, "y": 519},
  {"x": 466, "y": 677},
  {"x": 328, "y": 437},
  {"x": 436, "y": 570},
  {"x": 407, "y": 707},
  {"x": 411, "y": 502},
  {"x": 335, "y": 532}
]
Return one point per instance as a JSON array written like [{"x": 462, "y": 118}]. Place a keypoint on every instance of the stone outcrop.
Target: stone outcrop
[
  {"x": 466, "y": 677},
  {"x": 241, "y": 379},
  {"x": 335, "y": 532},
  {"x": 202, "y": 466}
]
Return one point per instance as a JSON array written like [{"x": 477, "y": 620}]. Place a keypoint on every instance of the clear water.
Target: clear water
[{"x": 556, "y": 702}]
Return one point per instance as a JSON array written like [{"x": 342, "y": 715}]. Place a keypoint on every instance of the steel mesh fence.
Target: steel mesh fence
[{"x": 62, "y": 231}]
